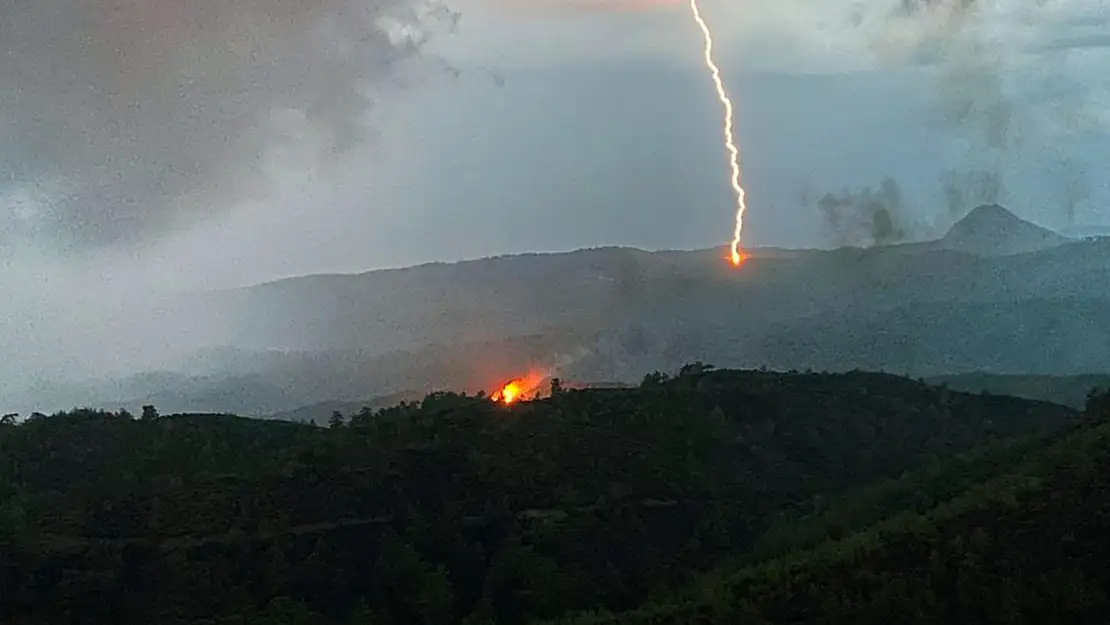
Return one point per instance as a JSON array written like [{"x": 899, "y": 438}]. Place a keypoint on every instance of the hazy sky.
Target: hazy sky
[
  {"x": 573, "y": 127},
  {"x": 157, "y": 144},
  {"x": 569, "y": 124}
]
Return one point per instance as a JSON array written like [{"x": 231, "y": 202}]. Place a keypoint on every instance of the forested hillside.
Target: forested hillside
[
  {"x": 1025, "y": 545},
  {"x": 461, "y": 509},
  {"x": 1058, "y": 389}
]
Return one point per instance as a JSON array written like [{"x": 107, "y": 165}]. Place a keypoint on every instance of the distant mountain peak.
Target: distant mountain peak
[
  {"x": 993, "y": 230},
  {"x": 990, "y": 216}
]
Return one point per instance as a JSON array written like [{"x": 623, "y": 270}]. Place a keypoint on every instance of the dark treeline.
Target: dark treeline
[
  {"x": 779, "y": 497},
  {"x": 1026, "y": 545}
]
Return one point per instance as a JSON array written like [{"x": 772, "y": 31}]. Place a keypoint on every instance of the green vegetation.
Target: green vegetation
[
  {"x": 1026, "y": 546},
  {"x": 712, "y": 496}
]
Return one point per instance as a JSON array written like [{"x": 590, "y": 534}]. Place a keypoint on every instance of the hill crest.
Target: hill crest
[{"x": 993, "y": 230}]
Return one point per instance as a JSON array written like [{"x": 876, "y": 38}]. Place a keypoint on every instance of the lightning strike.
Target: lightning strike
[{"x": 737, "y": 256}]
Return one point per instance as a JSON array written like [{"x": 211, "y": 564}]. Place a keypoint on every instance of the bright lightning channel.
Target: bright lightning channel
[{"x": 737, "y": 255}]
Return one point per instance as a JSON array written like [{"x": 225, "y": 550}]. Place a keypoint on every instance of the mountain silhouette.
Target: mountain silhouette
[{"x": 991, "y": 230}]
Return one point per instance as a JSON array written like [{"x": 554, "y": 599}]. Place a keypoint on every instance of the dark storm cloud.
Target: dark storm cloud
[{"x": 124, "y": 118}]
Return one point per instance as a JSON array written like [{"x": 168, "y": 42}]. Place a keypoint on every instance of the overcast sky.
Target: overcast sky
[
  {"x": 157, "y": 144},
  {"x": 568, "y": 124}
]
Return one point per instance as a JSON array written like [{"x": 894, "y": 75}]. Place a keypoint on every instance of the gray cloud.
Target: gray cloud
[
  {"x": 1006, "y": 85},
  {"x": 993, "y": 63},
  {"x": 969, "y": 67},
  {"x": 121, "y": 119},
  {"x": 1080, "y": 42},
  {"x": 952, "y": 12}
]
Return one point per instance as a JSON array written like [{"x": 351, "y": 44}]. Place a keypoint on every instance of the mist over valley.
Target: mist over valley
[{"x": 996, "y": 295}]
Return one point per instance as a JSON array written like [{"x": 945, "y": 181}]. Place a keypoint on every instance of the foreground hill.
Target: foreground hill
[
  {"x": 1025, "y": 545},
  {"x": 460, "y": 507}
]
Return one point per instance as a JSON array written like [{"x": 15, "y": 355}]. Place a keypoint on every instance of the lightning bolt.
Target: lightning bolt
[{"x": 737, "y": 255}]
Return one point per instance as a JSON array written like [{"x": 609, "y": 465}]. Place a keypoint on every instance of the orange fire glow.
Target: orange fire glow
[
  {"x": 509, "y": 393},
  {"x": 520, "y": 388}
]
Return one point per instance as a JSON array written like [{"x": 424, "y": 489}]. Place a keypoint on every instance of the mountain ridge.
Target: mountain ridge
[{"x": 616, "y": 313}]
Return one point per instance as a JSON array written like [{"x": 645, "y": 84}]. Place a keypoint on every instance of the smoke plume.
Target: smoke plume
[
  {"x": 1003, "y": 106},
  {"x": 122, "y": 119},
  {"x": 965, "y": 190},
  {"x": 864, "y": 217},
  {"x": 1075, "y": 189}
]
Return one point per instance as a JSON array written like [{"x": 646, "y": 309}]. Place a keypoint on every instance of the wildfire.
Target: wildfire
[
  {"x": 520, "y": 388},
  {"x": 509, "y": 393},
  {"x": 737, "y": 255}
]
